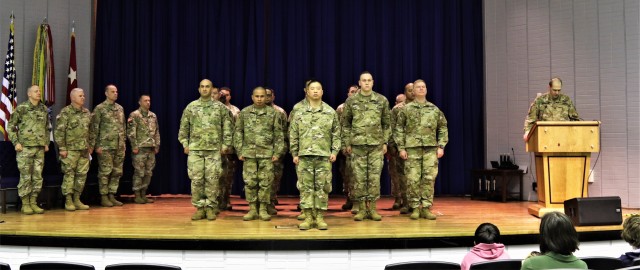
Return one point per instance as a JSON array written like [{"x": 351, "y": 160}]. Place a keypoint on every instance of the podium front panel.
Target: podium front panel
[{"x": 565, "y": 179}]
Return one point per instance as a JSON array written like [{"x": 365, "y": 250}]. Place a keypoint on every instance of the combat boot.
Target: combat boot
[
  {"x": 415, "y": 214},
  {"x": 112, "y": 199},
  {"x": 363, "y": 211},
  {"x": 319, "y": 216},
  {"x": 253, "y": 213},
  {"x": 347, "y": 205},
  {"x": 210, "y": 213},
  {"x": 308, "y": 220},
  {"x": 372, "y": 212},
  {"x": 34, "y": 204},
  {"x": 143, "y": 194},
  {"x": 68, "y": 203},
  {"x": 199, "y": 214},
  {"x": 104, "y": 201},
  {"x": 271, "y": 208},
  {"x": 138, "y": 199},
  {"x": 26, "y": 207},
  {"x": 355, "y": 207},
  {"x": 264, "y": 216},
  {"x": 426, "y": 213},
  {"x": 397, "y": 203},
  {"x": 77, "y": 203}
]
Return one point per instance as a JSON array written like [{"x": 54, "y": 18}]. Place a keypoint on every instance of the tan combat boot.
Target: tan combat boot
[
  {"x": 77, "y": 203},
  {"x": 308, "y": 220},
  {"x": 199, "y": 214},
  {"x": 372, "y": 211},
  {"x": 319, "y": 216},
  {"x": 355, "y": 207},
  {"x": 415, "y": 214},
  {"x": 104, "y": 201},
  {"x": 397, "y": 203},
  {"x": 253, "y": 213},
  {"x": 302, "y": 215},
  {"x": 68, "y": 203},
  {"x": 363, "y": 211},
  {"x": 112, "y": 199},
  {"x": 34, "y": 204},
  {"x": 264, "y": 216},
  {"x": 138, "y": 199},
  {"x": 210, "y": 213},
  {"x": 426, "y": 213},
  {"x": 26, "y": 206}
]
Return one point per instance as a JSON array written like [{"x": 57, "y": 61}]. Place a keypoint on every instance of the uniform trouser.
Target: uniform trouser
[
  {"x": 314, "y": 181},
  {"x": 346, "y": 172},
  {"x": 204, "y": 171},
  {"x": 278, "y": 168},
  {"x": 396, "y": 173},
  {"x": 75, "y": 167},
  {"x": 258, "y": 176},
  {"x": 367, "y": 162},
  {"x": 229, "y": 165},
  {"x": 143, "y": 163},
  {"x": 110, "y": 170},
  {"x": 421, "y": 169},
  {"x": 30, "y": 163}
]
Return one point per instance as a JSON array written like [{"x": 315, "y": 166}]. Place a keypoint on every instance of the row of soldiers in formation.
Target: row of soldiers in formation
[
  {"x": 215, "y": 134},
  {"x": 363, "y": 130}
]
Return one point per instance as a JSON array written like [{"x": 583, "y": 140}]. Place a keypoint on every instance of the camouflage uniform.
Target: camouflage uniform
[
  {"x": 546, "y": 108},
  {"x": 420, "y": 129},
  {"x": 108, "y": 132},
  {"x": 278, "y": 166},
  {"x": 229, "y": 165},
  {"x": 206, "y": 129},
  {"x": 72, "y": 136},
  {"x": 314, "y": 136},
  {"x": 366, "y": 127},
  {"x": 344, "y": 166},
  {"x": 396, "y": 164},
  {"x": 258, "y": 137},
  {"x": 298, "y": 106},
  {"x": 28, "y": 126},
  {"x": 144, "y": 134}
]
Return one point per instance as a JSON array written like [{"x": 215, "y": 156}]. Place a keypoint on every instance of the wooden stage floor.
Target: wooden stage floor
[{"x": 166, "y": 224}]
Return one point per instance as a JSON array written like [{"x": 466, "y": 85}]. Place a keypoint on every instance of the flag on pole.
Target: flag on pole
[
  {"x": 72, "y": 81},
  {"x": 43, "y": 71},
  {"x": 9, "y": 98}
]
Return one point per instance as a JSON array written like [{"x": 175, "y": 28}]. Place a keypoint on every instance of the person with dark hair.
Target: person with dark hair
[
  {"x": 278, "y": 165},
  {"x": 558, "y": 241},
  {"x": 552, "y": 106},
  {"x": 631, "y": 234},
  {"x": 230, "y": 159},
  {"x": 487, "y": 246},
  {"x": 144, "y": 135},
  {"x": 343, "y": 162}
]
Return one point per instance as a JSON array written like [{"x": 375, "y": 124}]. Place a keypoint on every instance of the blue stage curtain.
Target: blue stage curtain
[{"x": 165, "y": 47}]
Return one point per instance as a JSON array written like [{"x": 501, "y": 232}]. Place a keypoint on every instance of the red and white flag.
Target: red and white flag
[{"x": 72, "y": 81}]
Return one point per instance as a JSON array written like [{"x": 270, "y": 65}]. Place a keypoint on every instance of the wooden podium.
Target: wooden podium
[{"x": 563, "y": 157}]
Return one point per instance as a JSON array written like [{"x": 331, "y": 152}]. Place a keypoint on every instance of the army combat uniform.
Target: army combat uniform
[
  {"x": 366, "y": 128},
  {"x": 344, "y": 167},
  {"x": 108, "y": 132},
  {"x": 143, "y": 135},
  {"x": 546, "y": 108},
  {"x": 28, "y": 127},
  {"x": 278, "y": 166},
  {"x": 205, "y": 129},
  {"x": 72, "y": 136},
  {"x": 396, "y": 167},
  {"x": 258, "y": 137},
  {"x": 229, "y": 165},
  {"x": 420, "y": 129},
  {"x": 314, "y": 137}
]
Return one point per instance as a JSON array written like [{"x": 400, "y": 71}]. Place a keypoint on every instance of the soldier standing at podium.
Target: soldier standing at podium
[{"x": 552, "y": 106}]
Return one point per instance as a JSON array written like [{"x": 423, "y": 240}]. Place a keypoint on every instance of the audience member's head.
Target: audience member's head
[
  {"x": 557, "y": 234},
  {"x": 631, "y": 231},
  {"x": 487, "y": 233}
]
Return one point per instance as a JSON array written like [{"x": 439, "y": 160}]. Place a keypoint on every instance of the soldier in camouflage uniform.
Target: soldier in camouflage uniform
[
  {"x": 278, "y": 165},
  {"x": 296, "y": 107},
  {"x": 421, "y": 134},
  {"x": 72, "y": 137},
  {"x": 552, "y": 106},
  {"x": 28, "y": 131},
  {"x": 315, "y": 142},
  {"x": 107, "y": 136},
  {"x": 259, "y": 141},
  {"x": 144, "y": 136},
  {"x": 366, "y": 128},
  {"x": 396, "y": 164},
  {"x": 229, "y": 160},
  {"x": 205, "y": 133},
  {"x": 343, "y": 163}
]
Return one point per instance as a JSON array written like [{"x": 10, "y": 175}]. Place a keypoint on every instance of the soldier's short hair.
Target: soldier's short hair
[
  {"x": 365, "y": 72},
  {"x": 106, "y": 88},
  {"x": 420, "y": 80},
  {"x": 143, "y": 95},
  {"x": 75, "y": 90},
  {"x": 225, "y": 88},
  {"x": 270, "y": 89},
  {"x": 256, "y": 89},
  {"x": 555, "y": 78},
  {"x": 313, "y": 81}
]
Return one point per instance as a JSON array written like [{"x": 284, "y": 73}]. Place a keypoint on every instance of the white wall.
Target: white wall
[{"x": 593, "y": 46}]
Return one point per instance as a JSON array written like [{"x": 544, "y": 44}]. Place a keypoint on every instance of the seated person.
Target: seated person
[
  {"x": 631, "y": 234},
  {"x": 558, "y": 241},
  {"x": 487, "y": 246}
]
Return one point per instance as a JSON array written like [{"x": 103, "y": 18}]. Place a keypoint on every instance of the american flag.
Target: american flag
[{"x": 9, "y": 98}]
